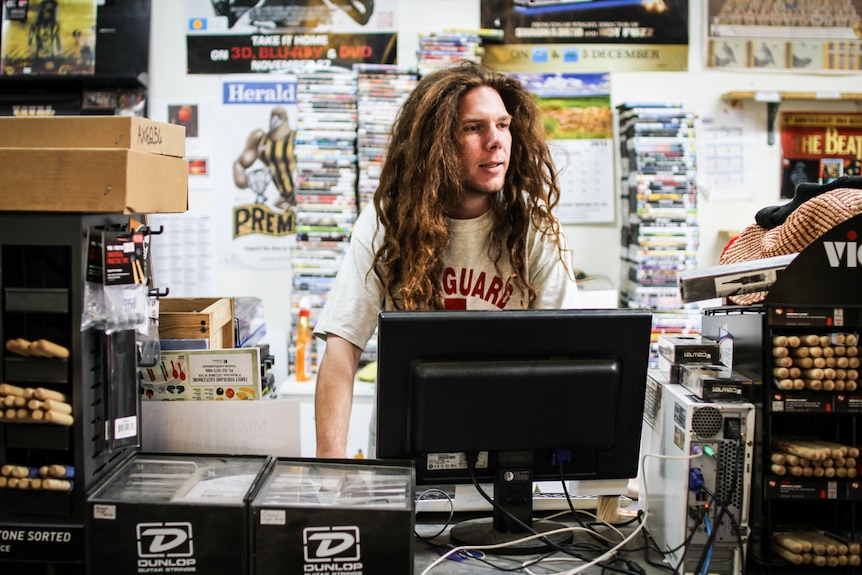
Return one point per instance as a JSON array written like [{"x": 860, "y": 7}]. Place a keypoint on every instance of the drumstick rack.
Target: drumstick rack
[{"x": 43, "y": 260}]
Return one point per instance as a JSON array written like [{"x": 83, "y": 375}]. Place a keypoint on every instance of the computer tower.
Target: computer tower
[{"x": 696, "y": 477}]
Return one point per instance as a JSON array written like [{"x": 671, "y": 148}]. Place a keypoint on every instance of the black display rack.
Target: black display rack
[
  {"x": 43, "y": 258},
  {"x": 819, "y": 293}
]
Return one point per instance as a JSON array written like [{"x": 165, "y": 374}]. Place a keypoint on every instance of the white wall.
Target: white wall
[{"x": 596, "y": 246}]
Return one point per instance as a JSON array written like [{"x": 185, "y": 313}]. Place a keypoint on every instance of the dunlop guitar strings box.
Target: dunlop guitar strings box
[
  {"x": 334, "y": 516},
  {"x": 170, "y": 513}
]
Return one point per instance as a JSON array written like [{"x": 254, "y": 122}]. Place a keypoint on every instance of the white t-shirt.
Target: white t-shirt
[{"x": 470, "y": 280}]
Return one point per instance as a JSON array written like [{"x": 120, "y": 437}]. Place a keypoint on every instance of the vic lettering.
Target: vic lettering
[{"x": 850, "y": 252}]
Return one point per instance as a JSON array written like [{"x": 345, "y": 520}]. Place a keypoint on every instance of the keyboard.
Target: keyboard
[{"x": 465, "y": 498}]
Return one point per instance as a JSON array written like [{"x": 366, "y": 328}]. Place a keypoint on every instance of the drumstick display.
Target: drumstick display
[
  {"x": 39, "y": 405},
  {"x": 803, "y": 354}
]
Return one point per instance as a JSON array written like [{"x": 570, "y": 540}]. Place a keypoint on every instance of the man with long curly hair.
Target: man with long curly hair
[{"x": 461, "y": 219}]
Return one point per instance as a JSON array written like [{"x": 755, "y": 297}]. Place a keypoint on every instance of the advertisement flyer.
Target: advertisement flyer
[
  {"x": 48, "y": 37},
  {"x": 788, "y": 37},
  {"x": 819, "y": 147},
  {"x": 587, "y": 35},
  {"x": 289, "y": 36}
]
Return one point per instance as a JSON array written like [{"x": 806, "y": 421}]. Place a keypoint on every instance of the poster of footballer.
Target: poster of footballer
[{"x": 48, "y": 37}]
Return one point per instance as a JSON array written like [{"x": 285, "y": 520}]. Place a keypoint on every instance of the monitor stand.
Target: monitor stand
[{"x": 513, "y": 491}]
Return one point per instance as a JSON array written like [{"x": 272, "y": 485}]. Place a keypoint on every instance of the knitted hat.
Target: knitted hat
[{"x": 807, "y": 222}]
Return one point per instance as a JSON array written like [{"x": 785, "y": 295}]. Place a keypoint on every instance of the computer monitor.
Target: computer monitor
[{"x": 528, "y": 395}]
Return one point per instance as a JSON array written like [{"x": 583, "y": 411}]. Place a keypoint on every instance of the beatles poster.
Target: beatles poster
[
  {"x": 819, "y": 147},
  {"x": 48, "y": 37},
  {"x": 289, "y": 36},
  {"x": 586, "y": 35}
]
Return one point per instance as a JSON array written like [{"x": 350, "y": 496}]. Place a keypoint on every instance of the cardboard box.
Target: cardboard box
[
  {"x": 101, "y": 132},
  {"x": 169, "y": 513},
  {"x": 206, "y": 374},
  {"x": 335, "y": 516},
  {"x": 198, "y": 318},
  {"x": 92, "y": 181}
]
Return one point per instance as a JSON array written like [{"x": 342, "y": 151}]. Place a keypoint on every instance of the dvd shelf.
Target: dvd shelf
[
  {"x": 326, "y": 162},
  {"x": 660, "y": 235},
  {"x": 381, "y": 91},
  {"x": 343, "y": 131},
  {"x": 437, "y": 49}
]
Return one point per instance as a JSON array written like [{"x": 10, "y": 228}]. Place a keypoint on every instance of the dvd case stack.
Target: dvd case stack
[
  {"x": 326, "y": 162},
  {"x": 660, "y": 235},
  {"x": 437, "y": 49},
  {"x": 381, "y": 90}
]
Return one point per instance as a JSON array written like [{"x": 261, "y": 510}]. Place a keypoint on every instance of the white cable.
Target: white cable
[{"x": 581, "y": 568}]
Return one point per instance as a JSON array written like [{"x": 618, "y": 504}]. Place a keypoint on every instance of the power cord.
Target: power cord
[{"x": 428, "y": 538}]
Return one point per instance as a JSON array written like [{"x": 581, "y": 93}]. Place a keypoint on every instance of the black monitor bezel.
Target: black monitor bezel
[{"x": 619, "y": 335}]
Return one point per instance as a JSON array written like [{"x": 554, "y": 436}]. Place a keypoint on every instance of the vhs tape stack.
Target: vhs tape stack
[
  {"x": 326, "y": 162},
  {"x": 659, "y": 236},
  {"x": 381, "y": 90},
  {"x": 438, "y": 49}
]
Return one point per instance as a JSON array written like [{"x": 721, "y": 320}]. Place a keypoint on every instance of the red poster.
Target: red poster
[{"x": 819, "y": 147}]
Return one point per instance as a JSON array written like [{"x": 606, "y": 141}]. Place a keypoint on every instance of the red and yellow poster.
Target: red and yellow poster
[
  {"x": 49, "y": 37},
  {"x": 819, "y": 147}
]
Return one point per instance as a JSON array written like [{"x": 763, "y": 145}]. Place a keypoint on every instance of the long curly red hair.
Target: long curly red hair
[{"x": 420, "y": 183}]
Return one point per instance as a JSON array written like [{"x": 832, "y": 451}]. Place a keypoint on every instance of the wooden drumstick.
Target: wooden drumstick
[
  {"x": 43, "y": 394},
  {"x": 784, "y": 384},
  {"x": 18, "y": 346},
  {"x": 61, "y": 471},
  {"x": 57, "y": 406},
  {"x": 810, "y": 340},
  {"x": 57, "y": 484},
  {"x": 46, "y": 348},
  {"x": 7, "y": 389},
  {"x": 791, "y": 542},
  {"x": 787, "y": 554},
  {"x": 59, "y": 418}
]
